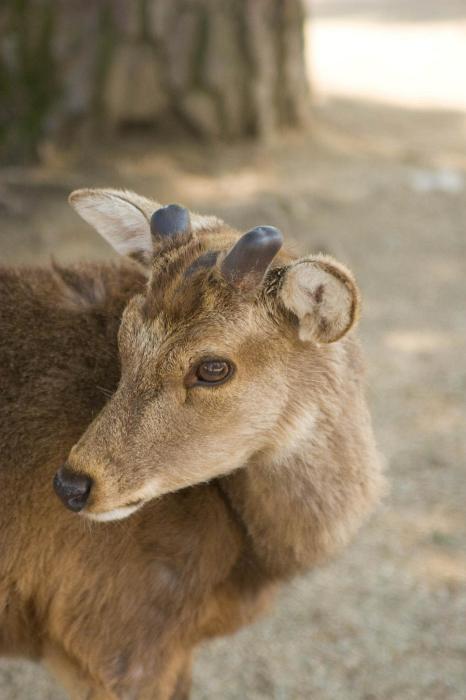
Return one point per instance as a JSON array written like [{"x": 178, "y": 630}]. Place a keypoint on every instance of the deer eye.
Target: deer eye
[{"x": 213, "y": 371}]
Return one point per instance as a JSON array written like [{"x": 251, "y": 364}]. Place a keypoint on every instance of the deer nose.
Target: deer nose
[{"x": 72, "y": 488}]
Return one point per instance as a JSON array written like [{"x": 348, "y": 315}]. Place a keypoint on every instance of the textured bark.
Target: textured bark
[{"x": 218, "y": 68}]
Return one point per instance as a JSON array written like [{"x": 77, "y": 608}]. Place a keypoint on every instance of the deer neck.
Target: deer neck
[{"x": 302, "y": 501}]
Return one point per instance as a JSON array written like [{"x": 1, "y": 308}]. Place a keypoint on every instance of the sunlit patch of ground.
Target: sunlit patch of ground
[{"x": 407, "y": 53}]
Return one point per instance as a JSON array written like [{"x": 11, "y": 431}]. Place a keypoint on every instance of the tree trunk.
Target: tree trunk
[{"x": 218, "y": 68}]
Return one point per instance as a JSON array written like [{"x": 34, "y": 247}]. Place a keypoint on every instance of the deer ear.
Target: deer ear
[
  {"x": 323, "y": 295},
  {"x": 121, "y": 217}
]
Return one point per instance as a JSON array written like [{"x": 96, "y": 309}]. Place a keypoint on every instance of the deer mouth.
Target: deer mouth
[
  {"x": 116, "y": 513},
  {"x": 149, "y": 491}
]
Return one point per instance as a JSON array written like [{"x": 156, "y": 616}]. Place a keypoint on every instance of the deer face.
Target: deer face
[{"x": 209, "y": 355}]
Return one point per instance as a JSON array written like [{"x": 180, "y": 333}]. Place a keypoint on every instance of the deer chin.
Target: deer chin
[
  {"x": 115, "y": 514},
  {"x": 119, "y": 513},
  {"x": 148, "y": 492}
]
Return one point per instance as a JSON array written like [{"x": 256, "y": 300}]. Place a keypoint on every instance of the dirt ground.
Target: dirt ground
[{"x": 384, "y": 189}]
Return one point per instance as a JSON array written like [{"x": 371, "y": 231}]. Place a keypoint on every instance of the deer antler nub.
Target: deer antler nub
[
  {"x": 246, "y": 263},
  {"x": 170, "y": 221}
]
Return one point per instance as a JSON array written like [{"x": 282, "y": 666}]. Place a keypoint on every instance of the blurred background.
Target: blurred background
[{"x": 343, "y": 122}]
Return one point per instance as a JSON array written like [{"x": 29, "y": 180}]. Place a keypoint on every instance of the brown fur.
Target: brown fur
[{"x": 257, "y": 479}]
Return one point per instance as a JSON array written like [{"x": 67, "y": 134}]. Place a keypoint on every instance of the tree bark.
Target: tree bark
[{"x": 216, "y": 68}]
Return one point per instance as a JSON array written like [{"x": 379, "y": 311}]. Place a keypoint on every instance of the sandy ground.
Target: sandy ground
[{"x": 384, "y": 189}]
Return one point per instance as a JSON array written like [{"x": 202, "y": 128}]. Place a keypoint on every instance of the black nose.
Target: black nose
[{"x": 72, "y": 488}]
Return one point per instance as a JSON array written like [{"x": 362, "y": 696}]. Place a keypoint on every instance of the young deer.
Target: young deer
[{"x": 211, "y": 380}]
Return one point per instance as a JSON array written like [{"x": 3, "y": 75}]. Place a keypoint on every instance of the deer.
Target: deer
[{"x": 199, "y": 410}]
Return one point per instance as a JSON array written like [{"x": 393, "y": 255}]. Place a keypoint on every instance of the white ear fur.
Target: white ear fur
[
  {"x": 323, "y": 295},
  {"x": 123, "y": 218},
  {"x": 120, "y": 216}
]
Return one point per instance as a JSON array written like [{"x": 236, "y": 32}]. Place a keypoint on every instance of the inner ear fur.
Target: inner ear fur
[
  {"x": 123, "y": 217},
  {"x": 322, "y": 293}
]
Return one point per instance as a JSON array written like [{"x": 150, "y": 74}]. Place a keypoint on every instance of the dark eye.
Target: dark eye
[{"x": 213, "y": 371}]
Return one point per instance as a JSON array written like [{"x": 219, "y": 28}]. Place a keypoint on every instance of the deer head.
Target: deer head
[{"x": 229, "y": 330}]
